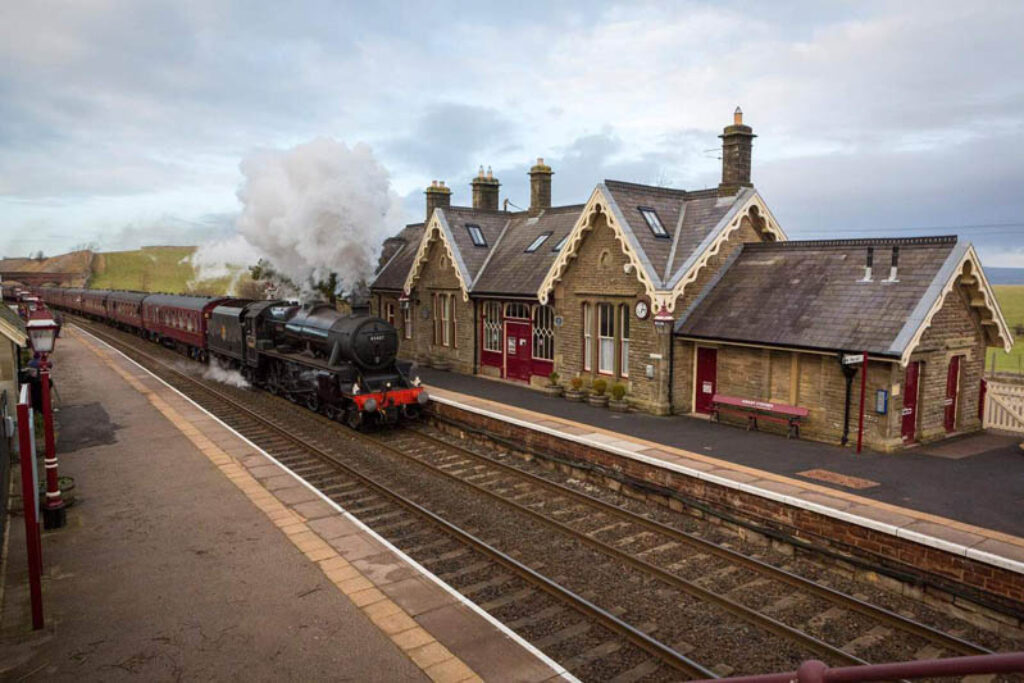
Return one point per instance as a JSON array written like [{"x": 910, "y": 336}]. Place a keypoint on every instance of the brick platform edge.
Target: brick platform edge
[{"x": 945, "y": 569}]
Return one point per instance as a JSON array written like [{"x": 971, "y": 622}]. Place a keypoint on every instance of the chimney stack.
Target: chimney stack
[
  {"x": 485, "y": 190},
  {"x": 737, "y": 141},
  {"x": 540, "y": 187},
  {"x": 438, "y": 196}
]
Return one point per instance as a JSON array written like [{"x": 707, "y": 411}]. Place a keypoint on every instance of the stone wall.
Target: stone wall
[{"x": 438, "y": 276}]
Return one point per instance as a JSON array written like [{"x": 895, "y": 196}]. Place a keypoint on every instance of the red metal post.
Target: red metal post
[
  {"x": 54, "y": 512},
  {"x": 30, "y": 502},
  {"x": 863, "y": 392}
]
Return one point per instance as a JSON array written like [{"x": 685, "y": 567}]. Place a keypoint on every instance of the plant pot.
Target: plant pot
[
  {"x": 67, "y": 490},
  {"x": 552, "y": 390},
  {"x": 618, "y": 406},
  {"x": 599, "y": 400},
  {"x": 576, "y": 396}
]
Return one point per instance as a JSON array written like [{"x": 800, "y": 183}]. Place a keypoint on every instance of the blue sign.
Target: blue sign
[{"x": 882, "y": 401}]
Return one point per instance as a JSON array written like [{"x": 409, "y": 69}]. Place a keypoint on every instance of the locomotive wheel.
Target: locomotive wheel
[
  {"x": 313, "y": 403},
  {"x": 330, "y": 412},
  {"x": 353, "y": 417}
]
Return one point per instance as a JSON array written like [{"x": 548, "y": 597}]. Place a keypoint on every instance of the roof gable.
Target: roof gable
[{"x": 392, "y": 274}]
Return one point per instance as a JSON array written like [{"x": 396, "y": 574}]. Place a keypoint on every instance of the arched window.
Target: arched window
[
  {"x": 407, "y": 321},
  {"x": 606, "y": 339},
  {"x": 588, "y": 338},
  {"x": 389, "y": 308},
  {"x": 624, "y": 340},
  {"x": 543, "y": 333},
  {"x": 446, "y": 330},
  {"x": 492, "y": 326},
  {"x": 454, "y": 318},
  {"x": 517, "y": 310}
]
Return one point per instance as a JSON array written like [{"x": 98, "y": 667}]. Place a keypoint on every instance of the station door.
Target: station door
[
  {"x": 707, "y": 379},
  {"x": 518, "y": 348},
  {"x": 910, "y": 398}
]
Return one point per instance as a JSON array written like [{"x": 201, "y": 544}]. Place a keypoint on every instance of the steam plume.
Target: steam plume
[{"x": 309, "y": 210}]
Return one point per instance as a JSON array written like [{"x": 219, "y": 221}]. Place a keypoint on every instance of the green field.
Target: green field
[
  {"x": 153, "y": 269},
  {"x": 1011, "y": 301}
]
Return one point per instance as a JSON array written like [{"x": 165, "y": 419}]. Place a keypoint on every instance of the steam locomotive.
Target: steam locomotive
[{"x": 341, "y": 365}]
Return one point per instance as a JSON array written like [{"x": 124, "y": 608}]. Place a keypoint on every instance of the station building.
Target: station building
[{"x": 680, "y": 295}]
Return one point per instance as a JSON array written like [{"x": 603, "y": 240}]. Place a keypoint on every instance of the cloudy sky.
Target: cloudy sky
[{"x": 124, "y": 123}]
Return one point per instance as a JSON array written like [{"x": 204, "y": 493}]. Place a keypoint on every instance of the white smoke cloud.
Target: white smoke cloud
[
  {"x": 309, "y": 210},
  {"x": 230, "y": 377}
]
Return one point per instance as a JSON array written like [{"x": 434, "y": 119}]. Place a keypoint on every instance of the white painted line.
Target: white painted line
[
  {"x": 891, "y": 529},
  {"x": 552, "y": 664}
]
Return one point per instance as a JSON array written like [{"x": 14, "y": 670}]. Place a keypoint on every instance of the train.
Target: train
[{"x": 344, "y": 366}]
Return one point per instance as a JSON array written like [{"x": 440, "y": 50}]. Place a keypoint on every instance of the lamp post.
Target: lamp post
[{"x": 42, "y": 332}]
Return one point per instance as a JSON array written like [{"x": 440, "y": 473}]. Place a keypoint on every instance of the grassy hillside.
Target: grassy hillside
[
  {"x": 1011, "y": 300},
  {"x": 153, "y": 269}
]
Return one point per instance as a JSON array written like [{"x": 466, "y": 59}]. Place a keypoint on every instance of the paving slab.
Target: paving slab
[{"x": 197, "y": 558}]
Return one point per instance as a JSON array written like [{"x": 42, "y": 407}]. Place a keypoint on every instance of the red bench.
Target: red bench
[{"x": 759, "y": 410}]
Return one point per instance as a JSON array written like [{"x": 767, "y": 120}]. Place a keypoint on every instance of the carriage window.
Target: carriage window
[
  {"x": 624, "y": 340},
  {"x": 492, "y": 326},
  {"x": 543, "y": 333},
  {"x": 606, "y": 338},
  {"x": 588, "y": 341}
]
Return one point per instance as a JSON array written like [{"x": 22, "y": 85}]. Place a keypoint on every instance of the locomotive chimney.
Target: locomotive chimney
[
  {"x": 438, "y": 196},
  {"x": 485, "y": 190},
  {"x": 737, "y": 141},
  {"x": 540, "y": 187}
]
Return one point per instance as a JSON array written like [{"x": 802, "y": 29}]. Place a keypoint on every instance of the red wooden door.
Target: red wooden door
[
  {"x": 910, "y": 390},
  {"x": 517, "y": 351},
  {"x": 952, "y": 389},
  {"x": 707, "y": 379}
]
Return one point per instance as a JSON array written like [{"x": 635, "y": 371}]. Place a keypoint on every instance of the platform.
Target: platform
[
  {"x": 960, "y": 497},
  {"x": 191, "y": 554}
]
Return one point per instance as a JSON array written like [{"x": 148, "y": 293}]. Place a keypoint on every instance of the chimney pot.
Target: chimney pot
[
  {"x": 737, "y": 141},
  {"x": 438, "y": 196},
  {"x": 540, "y": 187},
  {"x": 485, "y": 190}
]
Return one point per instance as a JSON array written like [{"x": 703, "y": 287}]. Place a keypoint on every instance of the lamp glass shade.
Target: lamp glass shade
[{"x": 43, "y": 334}]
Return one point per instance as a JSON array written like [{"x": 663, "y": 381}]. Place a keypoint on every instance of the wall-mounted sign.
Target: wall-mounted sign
[
  {"x": 852, "y": 358},
  {"x": 511, "y": 345},
  {"x": 425, "y": 313},
  {"x": 707, "y": 387},
  {"x": 559, "y": 321},
  {"x": 881, "y": 401}
]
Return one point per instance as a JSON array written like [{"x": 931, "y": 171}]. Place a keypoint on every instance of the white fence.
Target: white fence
[{"x": 1004, "y": 406}]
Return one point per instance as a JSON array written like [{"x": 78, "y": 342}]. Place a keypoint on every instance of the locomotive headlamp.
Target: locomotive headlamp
[
  {"x": 370, "y": 406},
  {"x": 422, "y": 398},
  {"x": 355, "y": 388}
]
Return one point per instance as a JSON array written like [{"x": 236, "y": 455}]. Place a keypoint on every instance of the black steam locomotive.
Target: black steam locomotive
[{"x": 344, "y": 366}]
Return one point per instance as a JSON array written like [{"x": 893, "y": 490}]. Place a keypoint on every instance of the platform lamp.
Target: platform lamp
[
  {"x": 663, "y": 319},
  {"x": 42, "y": 334}
]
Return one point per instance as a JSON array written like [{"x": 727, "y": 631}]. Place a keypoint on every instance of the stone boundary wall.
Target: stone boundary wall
[{"x": 944, "y": 576}]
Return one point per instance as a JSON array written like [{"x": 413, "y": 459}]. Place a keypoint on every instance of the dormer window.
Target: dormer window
[
  {"x": 535, "y": 245},
  {"x": 477, "y": 235},
  {"x": 561, "y": 243},
  {"x": 653, "y": 221}
]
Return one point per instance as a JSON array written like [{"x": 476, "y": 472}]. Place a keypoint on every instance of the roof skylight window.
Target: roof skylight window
[
  {"x": 653, "y": 222},
  {"x": 535, "y": 245},
  {"x": 477, "y": 235},
  {"x": 561, "y": 243}
]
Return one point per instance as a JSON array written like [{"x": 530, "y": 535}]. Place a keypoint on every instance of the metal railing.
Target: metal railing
[{"x": 814, "y": 671}]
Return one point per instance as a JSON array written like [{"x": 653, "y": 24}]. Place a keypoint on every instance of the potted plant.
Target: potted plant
[
  {"x": 575, "y": 391},
  {"x": 618, "y": 403},
  {"x": 553, "y": 388},
  {"x": 597, "y": 396}
]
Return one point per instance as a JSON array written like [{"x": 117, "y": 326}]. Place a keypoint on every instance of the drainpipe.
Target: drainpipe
[
  {"x": 671, "y": 367},
  {"x": 476, "y": 337},
  {"x": 848, "y": 372}
]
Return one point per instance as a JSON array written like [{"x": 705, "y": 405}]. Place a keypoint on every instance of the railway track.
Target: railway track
[{"x": 670, "y": 602}]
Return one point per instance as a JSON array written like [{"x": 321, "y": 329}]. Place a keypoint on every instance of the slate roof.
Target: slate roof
[
  {"x": 12, "y": 326},
  {"x": 510, "y": 269},
  {"x": 392, "y": 275},
  {"x": 491, "y": 224},
  {"x": 811, "y": 294},
  {"x": 701, "y": 211}
]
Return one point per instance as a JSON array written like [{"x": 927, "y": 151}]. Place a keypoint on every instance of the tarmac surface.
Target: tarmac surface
[
  {"x": 188, "y": 554},
  {"x": 947, "y": 478}
]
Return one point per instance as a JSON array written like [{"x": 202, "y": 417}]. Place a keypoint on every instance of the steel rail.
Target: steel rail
[
  {"x": 663, "y": 652},
  {"x": 950, "y": 642}
]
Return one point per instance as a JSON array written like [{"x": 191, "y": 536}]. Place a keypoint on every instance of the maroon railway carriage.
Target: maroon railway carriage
[
  {"x": 72, "y": 299},
  {"x": 179, "y": 320},
  {"x": 94, "y": 303},
  {"x": 51, "y": 296},
  {"x": 124, "y": 309}
]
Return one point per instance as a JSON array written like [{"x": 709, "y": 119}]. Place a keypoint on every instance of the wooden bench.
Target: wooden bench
[{"x": 754, "y": 410}]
